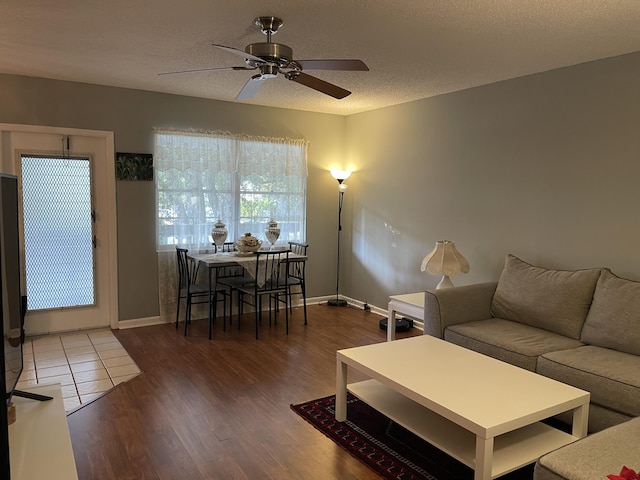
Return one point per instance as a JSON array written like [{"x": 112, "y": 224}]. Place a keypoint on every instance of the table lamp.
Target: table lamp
[{"x": 444, "y": 260}]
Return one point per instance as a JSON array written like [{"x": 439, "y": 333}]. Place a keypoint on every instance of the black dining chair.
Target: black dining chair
[
  {"x": 192, "y": 291},
  {"x": 295, "y": 276},
  {"x": 231, "y": 277},
  {"x": 270, "y": 280}
]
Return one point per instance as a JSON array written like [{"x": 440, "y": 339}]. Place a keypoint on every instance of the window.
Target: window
[{"x": 244, "y": 181}]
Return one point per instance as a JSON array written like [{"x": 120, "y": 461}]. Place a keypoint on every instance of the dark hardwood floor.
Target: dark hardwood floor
[{"x": 220, "y": 408}]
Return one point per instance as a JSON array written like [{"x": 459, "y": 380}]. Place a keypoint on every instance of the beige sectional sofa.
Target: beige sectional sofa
[
  {"x": 595, "y": 457},
  {"x": 578, "y": 327}
]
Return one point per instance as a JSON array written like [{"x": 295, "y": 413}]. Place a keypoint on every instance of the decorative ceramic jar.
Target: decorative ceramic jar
[
  {"x": 219, "y": 233},
  {"x": 272, "y": 232},
  {"x": 247, "y": 244}
]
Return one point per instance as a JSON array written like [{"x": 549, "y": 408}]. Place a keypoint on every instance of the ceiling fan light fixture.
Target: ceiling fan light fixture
[{"x": 268, "y": 71}]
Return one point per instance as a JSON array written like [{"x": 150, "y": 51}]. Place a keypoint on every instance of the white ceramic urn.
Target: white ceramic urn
[
  {"x": 219, "y": 233},
  {"x": 272, "y": 233}
]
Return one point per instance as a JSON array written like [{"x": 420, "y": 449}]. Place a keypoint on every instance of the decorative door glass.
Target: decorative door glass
[{"x": 58, "y": 231}]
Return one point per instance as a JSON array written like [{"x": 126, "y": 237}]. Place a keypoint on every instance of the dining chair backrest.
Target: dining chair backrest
[
  {"x": 296, "y": 267},
  {"x": 228, "y": 271},
  {"x": 269, "y": 272},
  {"x": 187, "y": 268},
  {"x": 182, "y": 266},
  {"x": 298, "y": 248},
  {"x": 226, "y": 247}
]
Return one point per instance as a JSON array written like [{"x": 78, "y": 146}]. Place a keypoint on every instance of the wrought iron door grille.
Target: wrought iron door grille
[{"x": 58, "y": 231}]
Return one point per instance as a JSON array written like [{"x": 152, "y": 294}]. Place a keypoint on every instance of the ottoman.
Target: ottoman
[{"x": 595, "y": 456}]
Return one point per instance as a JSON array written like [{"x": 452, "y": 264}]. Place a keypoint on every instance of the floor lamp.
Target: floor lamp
[{"x": 340, "y": 176}]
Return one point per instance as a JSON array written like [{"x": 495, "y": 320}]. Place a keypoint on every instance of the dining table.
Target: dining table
[{"x": 214, "y": 261}]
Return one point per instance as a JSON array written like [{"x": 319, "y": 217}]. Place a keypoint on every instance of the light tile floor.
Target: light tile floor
[{"x": 86, "y": 364}]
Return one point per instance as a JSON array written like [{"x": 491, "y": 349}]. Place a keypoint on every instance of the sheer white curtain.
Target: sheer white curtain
[
  {"x": 272, "y": 185},
  {"x": 194, "y": 174},
  {"x": 242, "y": 180}
]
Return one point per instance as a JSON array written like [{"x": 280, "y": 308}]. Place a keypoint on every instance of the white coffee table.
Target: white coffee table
[{"x": 481, "y": 411}]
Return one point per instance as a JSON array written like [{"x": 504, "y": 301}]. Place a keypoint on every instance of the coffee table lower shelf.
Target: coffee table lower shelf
[{"x": 512, "y": 450}]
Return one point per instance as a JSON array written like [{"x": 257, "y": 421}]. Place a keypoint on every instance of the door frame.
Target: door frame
[{"x": 8, "y": 165}]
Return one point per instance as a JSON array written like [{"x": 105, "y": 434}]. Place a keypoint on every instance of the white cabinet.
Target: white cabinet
[{"x": 39, "y": 440}]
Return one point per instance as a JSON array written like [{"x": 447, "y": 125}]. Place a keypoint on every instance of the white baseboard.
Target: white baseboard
[
  {"x": 145, "y": 322},
  {"x": 140, "y": 322}
]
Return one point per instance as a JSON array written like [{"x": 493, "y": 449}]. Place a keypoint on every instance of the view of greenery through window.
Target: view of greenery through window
[{"x": 203, "y": 178}]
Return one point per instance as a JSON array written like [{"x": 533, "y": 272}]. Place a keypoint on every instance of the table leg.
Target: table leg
[
  {"x": 391, "y": 323},
  {"x": 341, "y": 391},
  {"x": 580, "y": 421},
  {"x": 484, "y": 458}
]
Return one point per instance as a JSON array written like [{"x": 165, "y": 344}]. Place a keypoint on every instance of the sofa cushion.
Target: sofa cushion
[
  {"x": 601, "y": 454},
  {"x": 611, "y": 376},
  {"x": 614, "y": 317},
  {"x": 554, "y": 300},
  {"x": 508, "y": 341},
  {"x": 601, "y": 418}
]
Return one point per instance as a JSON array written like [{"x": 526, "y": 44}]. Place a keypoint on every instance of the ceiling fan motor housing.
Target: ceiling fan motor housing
[{"x": 269, "y": 52}]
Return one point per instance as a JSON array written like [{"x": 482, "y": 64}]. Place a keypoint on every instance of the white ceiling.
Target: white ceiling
[{"x": 414, "y": 48}]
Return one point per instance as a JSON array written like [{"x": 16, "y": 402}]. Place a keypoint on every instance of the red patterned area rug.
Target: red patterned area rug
[{"x": 384, "y": 446}]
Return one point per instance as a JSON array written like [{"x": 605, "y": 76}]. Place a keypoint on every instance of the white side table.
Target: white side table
[{"x": 410, "y": 304}]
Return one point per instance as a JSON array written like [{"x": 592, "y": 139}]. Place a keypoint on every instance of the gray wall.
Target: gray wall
[
  {"x": 132, "y": 114},
  {"x": 545, "y": 167}
]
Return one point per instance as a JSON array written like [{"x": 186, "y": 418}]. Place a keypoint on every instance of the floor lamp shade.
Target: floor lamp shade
[
  {"x": 445, "y": 260},
  {"x": 340, "y": 175}
]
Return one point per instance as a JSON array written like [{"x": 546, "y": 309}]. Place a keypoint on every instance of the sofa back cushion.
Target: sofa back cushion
[
  {"x": 614, "y": 318},
  {"x": 554, "y": 300}
]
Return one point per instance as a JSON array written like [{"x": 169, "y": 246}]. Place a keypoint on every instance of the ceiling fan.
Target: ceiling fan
[{"x": 270, "y": 59}]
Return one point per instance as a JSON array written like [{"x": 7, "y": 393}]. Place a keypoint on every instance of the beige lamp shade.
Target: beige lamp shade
[{"x": 444, "y": 260}]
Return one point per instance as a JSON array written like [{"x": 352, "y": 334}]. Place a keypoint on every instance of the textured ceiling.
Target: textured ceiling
[{"x": 414, "y": 48}]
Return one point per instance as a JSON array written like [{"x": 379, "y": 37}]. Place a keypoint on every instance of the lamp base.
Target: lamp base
[
  {"x": 336, "y": 302},
  {"x": 445, "y": 282}
]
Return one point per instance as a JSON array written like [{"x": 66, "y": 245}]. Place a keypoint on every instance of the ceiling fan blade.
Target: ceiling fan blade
[
  {"x": 250, "y": 88},
  {"x": 240, "y": 53},
  {"x": 352, "y": 65},
  {"x": 317, "y": 84},
  {"x": 207, "y": 70}
]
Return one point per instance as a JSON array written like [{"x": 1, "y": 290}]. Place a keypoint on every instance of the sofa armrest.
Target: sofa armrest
[{"x": 449, "y": 306}]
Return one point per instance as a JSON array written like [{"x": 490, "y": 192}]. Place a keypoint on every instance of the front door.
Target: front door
[{"x": 67, "y": 189}]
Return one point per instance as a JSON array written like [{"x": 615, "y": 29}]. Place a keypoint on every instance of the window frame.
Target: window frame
[{"x": 239, "y": 157}]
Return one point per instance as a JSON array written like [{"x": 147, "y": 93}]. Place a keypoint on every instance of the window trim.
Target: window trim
[{"x": 238, "y": 156}]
